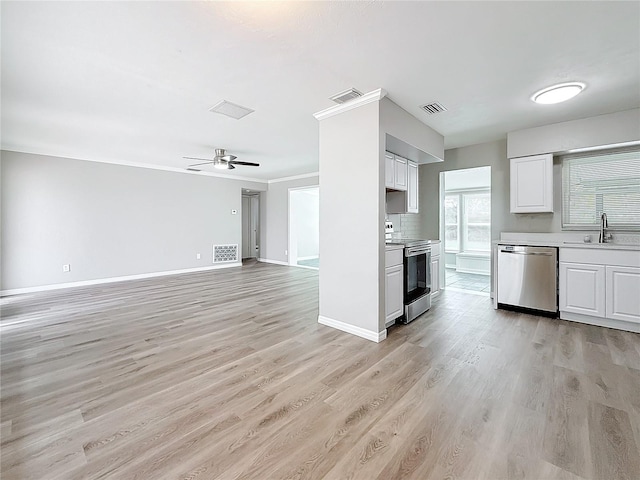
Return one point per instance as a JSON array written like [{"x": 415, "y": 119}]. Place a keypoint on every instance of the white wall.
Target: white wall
[
  {"x": 493, "y": 154},
  {"x": 619, "y": 127},
  {"x": 274, "y": 213},
  {"x": 352, "y": 219},
  {"x": 468, "y": 178},
  {"x": 109, "y": 220}
]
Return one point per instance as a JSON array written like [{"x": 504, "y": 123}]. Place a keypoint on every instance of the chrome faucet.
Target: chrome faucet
[{"x": 604, "y": 236}]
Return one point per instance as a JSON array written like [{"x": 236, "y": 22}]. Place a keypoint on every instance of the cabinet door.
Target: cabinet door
[
  {"x": 401, "y": 173},
  {"x": 532, "y": 184},
  {"x": 435, "y": 275},
  {"x": 389, "y": 171},
  {"x": 582, "y": 289},
  {"x": 394, "y": 306},
  {"x": 412, "y": 188},
  {"x": 623, "y": 293}
]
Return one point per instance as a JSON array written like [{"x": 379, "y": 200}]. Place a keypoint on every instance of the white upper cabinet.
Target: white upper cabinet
[
  {"x": 412, "y": 188},
  {"x": 401, "y": 177},
  {"x": 389, "y": 170},
  {"x": 401, "y": 180},
  {"x": 532, "y": 184},
  {"x": 396, "y": 172}
]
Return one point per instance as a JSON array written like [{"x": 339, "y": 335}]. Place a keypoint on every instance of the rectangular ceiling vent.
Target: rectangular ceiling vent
[
  {"x": 433, "y": 107},
  {"x": 345, "y": 96},
  {"x": 225, "y": 253},
  {"x": 231, "y": 109}
]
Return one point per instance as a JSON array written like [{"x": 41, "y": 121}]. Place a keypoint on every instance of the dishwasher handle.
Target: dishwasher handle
[
  {"x": 545, "y": 254},
  {"x": 528, "y": 250}
]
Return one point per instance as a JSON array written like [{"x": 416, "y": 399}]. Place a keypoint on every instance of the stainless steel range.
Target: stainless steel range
[{"x": 417, "y": 277}]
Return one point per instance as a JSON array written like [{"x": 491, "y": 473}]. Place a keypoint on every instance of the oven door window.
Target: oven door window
[{"x": 417, "y": 279}]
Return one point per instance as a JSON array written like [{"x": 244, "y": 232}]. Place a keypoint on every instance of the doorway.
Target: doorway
[
  {"x": 250, "y": 225},
  {"x": 465, "y": 222},
  {"x": 304, "y": 227}
]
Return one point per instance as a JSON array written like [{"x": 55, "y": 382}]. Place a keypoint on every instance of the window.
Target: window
[
  {"x": 451, "y": 225},
  {"x": 467, "y": 221},
  {"x": 601, "y": 182}
]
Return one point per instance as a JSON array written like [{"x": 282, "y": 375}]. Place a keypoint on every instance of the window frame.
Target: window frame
[
  {"x": 462, "y": 222},
  {"x": 592, "y": 226}
]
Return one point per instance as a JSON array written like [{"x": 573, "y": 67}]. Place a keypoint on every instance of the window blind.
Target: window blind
[{"x": 601, "y": 182}]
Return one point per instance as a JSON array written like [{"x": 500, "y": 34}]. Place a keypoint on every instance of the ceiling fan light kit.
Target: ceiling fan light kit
[{"x": 222, "y": 161}]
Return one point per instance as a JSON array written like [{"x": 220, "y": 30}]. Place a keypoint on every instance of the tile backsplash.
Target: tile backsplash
[{"x": 405, "y": 225}]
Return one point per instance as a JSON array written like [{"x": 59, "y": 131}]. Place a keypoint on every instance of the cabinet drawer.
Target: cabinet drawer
[{"x": 393, "y": 257}]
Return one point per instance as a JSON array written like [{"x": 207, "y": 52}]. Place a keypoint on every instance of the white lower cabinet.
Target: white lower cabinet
[
  {"x": 582, "y": 289},
  {"x": 435, "y": 275},
  {"x": 394, "y": 307},
  {"x": 393, "y": 285},
  {"x": 623, "y": 293},
  {"x": 604, "y": 290}
]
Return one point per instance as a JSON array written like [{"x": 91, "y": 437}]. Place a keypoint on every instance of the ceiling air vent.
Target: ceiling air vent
[
  {"x": 433, "y": 107},
  {"x": 231, "y": 109},
  {"x": 345, "y": 96}
]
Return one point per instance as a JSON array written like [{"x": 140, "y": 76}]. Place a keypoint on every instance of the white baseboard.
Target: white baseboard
[
  {"x": 276, "y": 262},
  {"x": 99, "y": 281},
  {"x": 601, "y": 322},
  {"x": 312, "y": 257},
  {"x": 305, "y": 266},
  {"x": 352, "y": 329}
]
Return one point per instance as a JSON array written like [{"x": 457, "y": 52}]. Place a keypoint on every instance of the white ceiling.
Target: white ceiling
[{"x": 133, "y": 81}]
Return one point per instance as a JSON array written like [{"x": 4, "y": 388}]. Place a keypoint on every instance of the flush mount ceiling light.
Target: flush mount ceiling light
[{"x": 558, "y": 93}]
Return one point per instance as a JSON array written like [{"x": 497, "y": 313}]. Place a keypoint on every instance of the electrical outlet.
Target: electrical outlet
[
  {"x": 197, "y": 256},
  {"x": 66, "y": 268},
  {"x": 286, "y": 252}
]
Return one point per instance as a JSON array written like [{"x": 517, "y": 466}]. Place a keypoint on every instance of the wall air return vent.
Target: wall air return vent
[
  {"x": 225, "y": 253},
  {"x": 231, "y": 109},
  {"x": 433, "y": 107},
  {"x": 345, "y": 96}
]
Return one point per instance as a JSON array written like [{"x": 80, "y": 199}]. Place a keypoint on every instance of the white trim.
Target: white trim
[
  {"x": 99, "y": 281},
  {"x": 370, "y": 97},
  {"x": 295, "y": 177},
  {"x": 305, "y": 266},
  {"x": 352, "y": 329},
  {"x": 312, "y": 257},
  {"x": 276, "y": 262},
  {"x": 601, "y": 322},
  {"x": 150, "y": 167}
]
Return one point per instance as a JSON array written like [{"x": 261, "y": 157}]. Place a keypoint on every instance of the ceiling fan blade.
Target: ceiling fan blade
[
  {"x": 226, "y": 158},
  {"x": 231, "y": 167},
  {"x": 198, "y": 164},
  {"x": 249, "y": 164}
]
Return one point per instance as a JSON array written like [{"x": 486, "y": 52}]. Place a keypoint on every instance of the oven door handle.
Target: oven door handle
[{"x": 412, "y": 252}]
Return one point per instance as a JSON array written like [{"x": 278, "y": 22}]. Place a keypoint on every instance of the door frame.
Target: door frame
[{"x": 290, "y": 233}]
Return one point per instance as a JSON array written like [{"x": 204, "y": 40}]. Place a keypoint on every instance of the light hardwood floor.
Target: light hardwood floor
[{"x": 228, "y": 375}]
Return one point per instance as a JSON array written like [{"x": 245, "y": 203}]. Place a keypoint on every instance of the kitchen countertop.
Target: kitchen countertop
[{"x": 561, "y": 244}]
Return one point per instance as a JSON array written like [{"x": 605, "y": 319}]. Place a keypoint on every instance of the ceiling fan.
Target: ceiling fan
[{"x": 222, "y": 161}]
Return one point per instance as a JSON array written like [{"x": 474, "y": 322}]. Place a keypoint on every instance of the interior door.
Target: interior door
[{"x": 246, "y": 226}]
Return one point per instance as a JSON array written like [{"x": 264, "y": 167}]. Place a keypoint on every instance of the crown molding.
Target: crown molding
[
  {"x": 370, "y": 97},
  {"x": 294, "y": 177}
]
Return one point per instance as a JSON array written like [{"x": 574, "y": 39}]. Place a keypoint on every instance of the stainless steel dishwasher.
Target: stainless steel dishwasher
[{"x": 528, "y": 277}]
